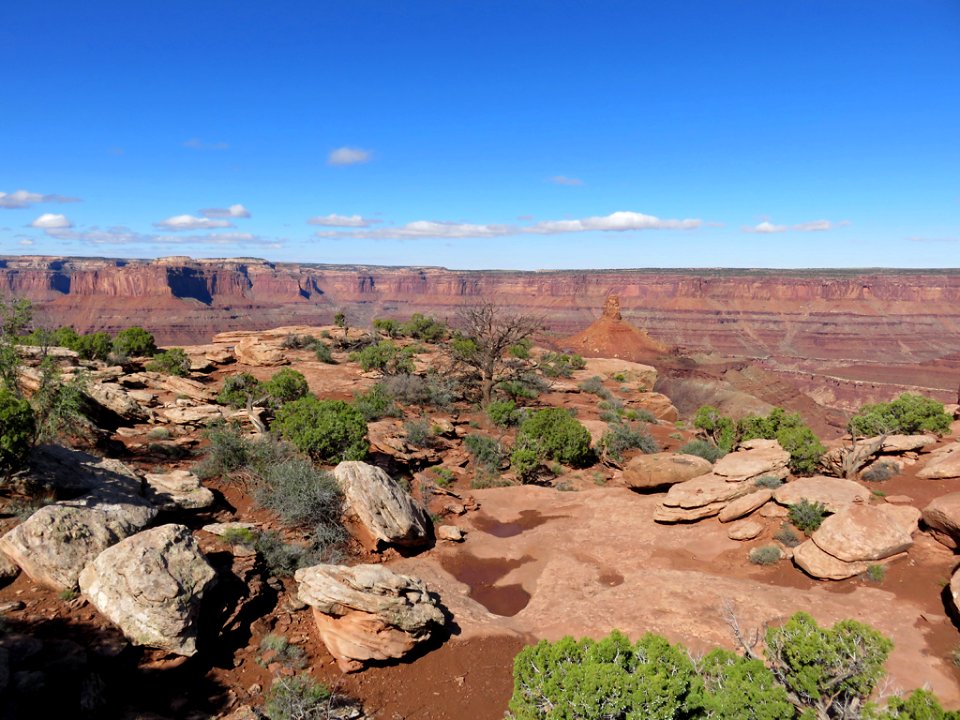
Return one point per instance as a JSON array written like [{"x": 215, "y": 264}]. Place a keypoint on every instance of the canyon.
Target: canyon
[{"x": 841, "y": 337}]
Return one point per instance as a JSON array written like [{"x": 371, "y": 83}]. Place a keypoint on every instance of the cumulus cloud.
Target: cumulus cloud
[
  {"x": 615, "y": 222},
  {"x": 348, "y": 156},
  {"x": 189, "y": 222},
  {"x": 52, "y": 221},
  {"x": 934, "y": 240},
  {"x": 26, "y": 242},
  {"x": 812, "y": 226},
  {"x": 564, "y": 180},
  {"x": 198, "y": 144},
  {"x": 234, "y": 211},
  {"x": 24, "y": 198},
  {"x": 119, "y": 235},
  {"x": 334, "y": 220}
]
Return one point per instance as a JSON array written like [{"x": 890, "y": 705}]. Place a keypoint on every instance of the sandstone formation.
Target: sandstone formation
[
  {"x": 151, "y": 585},
  {"x": 177, "y": 490},
  {"x": 367, "y": 612},
  {"x": 942, "y": 517},
  {"x": 612, "y": 337},
  {"x": 819, "y": 564},
  {"x": 860, "y": 533},
  {"x": 746, "y": 530},
  {"x": 646, "y": 472},
  {"x": 943, "y": 463},
  {"x": 116, "y": 399},
  {"x": 833, "y": 493},
  {"x": 384, "y": 510},
  {"x": 251, "y": 351},
  {"x": 754, "y": 459},
  {"x": 699, "y": 498},
  {"x": 743, "y": 506}
]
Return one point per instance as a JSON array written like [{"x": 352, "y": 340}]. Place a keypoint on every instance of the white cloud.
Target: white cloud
[
  {"x": 189, "y": 222},
  {"x": 349, "y": 156},
  {"x": 564, "y": 180},
  {"x": 24, "y": 198},
  {"x": 198, "y": 144},
  {"x": 125, "y": 236},
  {"x": 934, "y": 240},
  {"x": 52, "y": 221},
  {"x": 334, "y": 220},
  {"x": 26, "y": 242},
  {"x": 614, "y": 222},
  {"x": 812, "y": 226},
  {"x": 234, "y": 211}
]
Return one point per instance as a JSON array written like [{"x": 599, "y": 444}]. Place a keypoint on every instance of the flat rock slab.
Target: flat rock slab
[
  {"x": 943, "y": 464},
  {"x": 907, "y": 443},
  {"x": 819, "y": 564},
  {"x": 151, "y": 586},
  {"x": 646, "y": 472},
  {"x": 833, "y": 493},
  {"x": 384, "y": 509},
  {"x": 860, "y": 533},
  {"x": 746, "y": 530},
  {"x": 942, "y": 517},
  {"x": 177, "y": 490},
  {"x": 705, "y": 490},
  {"x": 743, "y": 506},
  {"x": 753, "y": 459}
]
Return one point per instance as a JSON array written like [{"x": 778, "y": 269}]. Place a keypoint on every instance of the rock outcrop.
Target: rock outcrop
[
  {"x": 177, "y": 490},
  {"x": 151, "y": 585},
  {"x": 942, "y": 517},
  {"x": 834, "y": 494},
  {"x": 647, "y": 472},
  {"x": 368, "y": 612},
  {"x": 942, "y": 464},
  {"x": 754, "y": 459},
  {"x": 383, "y": 509}
]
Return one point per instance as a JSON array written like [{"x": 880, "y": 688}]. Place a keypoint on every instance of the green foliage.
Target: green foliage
[
  {"x": 284, "y": 559},
  {"x": 702, "y": 448},
  {"x": 520, "y": 350},
  {"x": 786, "y": 536},
  {"x": 640, "y": 415},
  {"x": 59, "y": 406},
  {"x": 240, "y": 536},
  {"x": 443, "y": 476},
  {"x": 526, "y": 463},
  {"x": 327, "y": 430},
  {"x": 503, "y": 413},
  {"x": 807, "y": 516},
  {"x": 93, "y": 346},
  {"x": 340, "y": 320},
  {"x": 718, "y": 428},
  {"x": 766, "y": 555},
  {"x": 827, "y": 669},
  {"x": 170, "y": 362},
  {"x": 908, "y": 414},
  {"x": 430, "y": 390},
  {"x": 386, "y": 357},
  {"x": 486, "y": 451},
  {"x": 303, "y": 497},
  {"x": 14, "y": 317},
  {"x": 418, "y": 433},
  {"x": 736, "y": 688},
  {"x": 228, "y": 451},
  {"x": 919, "y": 705},
  {"x": 621, "y": 437},
  {"x": 876, "y": 573},
  {"x": 554, "y": 364},
  {"x": 880, "y": 471},
  {"x": 523, "y": 386},
  {"x": 376, "y": 403},
  {"x": 276, "y": 648},
  {"x": 298, "y": 342},
  {"x": 594, "y": 386},
  {"x": 425, "y": 328},
  {"x": 239, "y": 390},
  {"x": 286, "y": 386},
  {"x": 608, "y": 678},
  {"x": 134, "y": 342},
  {"x": 768, "y": 481},
  {"x": 323, "y": 353},
  {"x": 390, "y": 328},
  {"x": 17, "y": 430},
  {"x": 790, "y": 431},
  {"x": 553, "y": 434},
  {"x": 296, "y": 698}
]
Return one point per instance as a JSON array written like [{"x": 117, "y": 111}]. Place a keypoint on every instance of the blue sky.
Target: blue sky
[{"x": 487, "y": 134}]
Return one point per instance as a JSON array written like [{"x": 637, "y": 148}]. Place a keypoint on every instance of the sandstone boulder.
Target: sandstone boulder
[
  {"x": 251, "y": 351},
  {"x": 906, "y": 443},
  {"x": 743, "y": 506},
  {"x": 53, "y": 545},
  {"x": 833, "y": 493},
  {"x": 753, "y": 459},
  {"x": 179, "y": 386},
  {"x": 196, "y": 415},
  {"x": 151, "y": 585},
  {"x": 177, "y": 490},
  {"x": 863, "y": 532},
  {"x": 368, "y": 612},
  {"x": 67, "y": 471},
  {"x": 955, "y": 590},
  {"x": 819, "y": 564},
  {"x": 116, "y": 399},
  {"x": 658, "y": 405},
  {"x": 942, "y": 517},
  {"x": 746, "y": 530},
  {"x": 384, "y": 510},
  {"x": 943, "y": 463},
  {"x": 699, "y": 498},
  {"x": 450, "y": 533},
  {"x": 646, "y": 472}
]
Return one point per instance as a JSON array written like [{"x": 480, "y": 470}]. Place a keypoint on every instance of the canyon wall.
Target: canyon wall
[{"x": 869, "y": 316}]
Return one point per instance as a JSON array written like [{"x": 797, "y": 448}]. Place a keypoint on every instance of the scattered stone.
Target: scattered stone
[
  {"x": 863, "y": 532},
  {"x": 177, "y": 490},
  {"x": 665, "y": 514},
  {"x": 251, "y": 351},
  {"x": 450, "y": 533},
  {"x": 222, "y": 529},
  {"x": 943, "y": 463},
  {"x": 11, "y": 606},
  {"x": 819, "y": 564},
  {"x": 699, "y": 498},
  {"x": 382, "y": 508},
  {"x": 196, "y": 415},
  {"x": 833, "y": 493},
  {"x": 116, "y": 399},
  {"x": 906, "y": 443},
  {"x": 150, "y": 585},
  {"x": 368, "y": 612},
  {"x": 772, "y": 510},
  {"x": 753, "y": 459},
  {"x": 746, "y": 530},
  {"x": 898, "y": 499},
  {"x": 179, "y": 386},
  {"x": 743, "y": 506},
  {"x": 942, "y": 517},
  {"x": 646, "y": 472}
]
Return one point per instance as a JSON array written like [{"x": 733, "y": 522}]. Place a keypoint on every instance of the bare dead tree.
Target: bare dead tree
[{"x": 487, "y": 334}]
